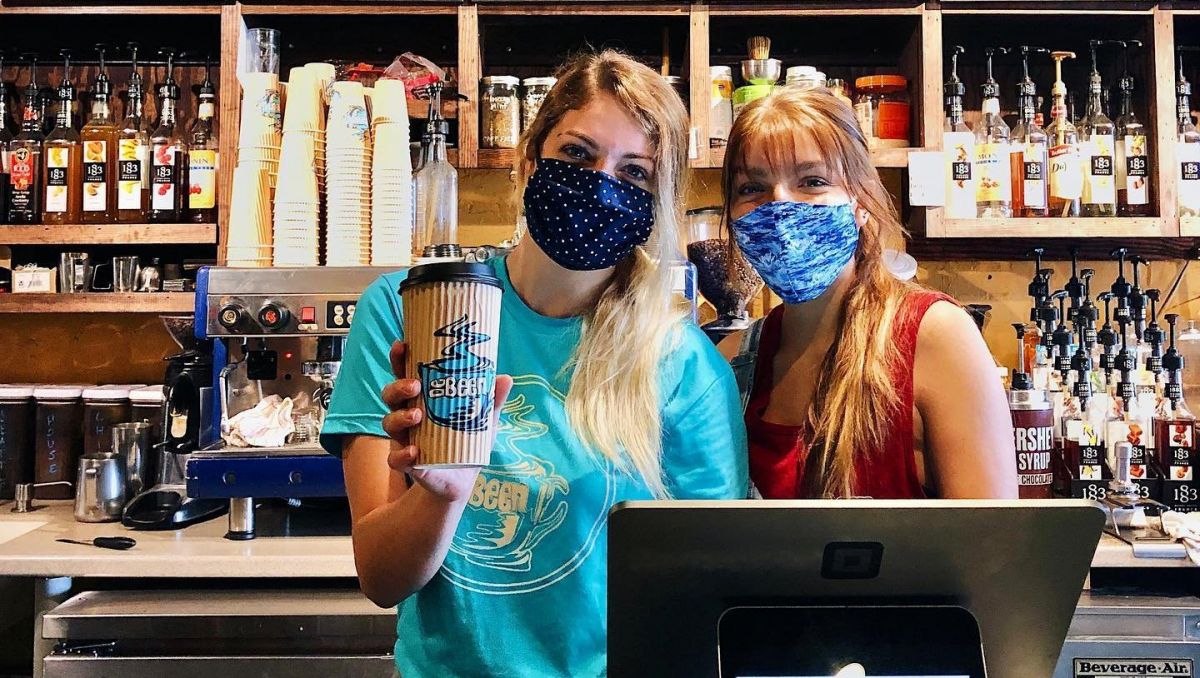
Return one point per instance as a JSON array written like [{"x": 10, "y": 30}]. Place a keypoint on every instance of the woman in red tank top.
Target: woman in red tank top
[{"x": 858, "y": 384}]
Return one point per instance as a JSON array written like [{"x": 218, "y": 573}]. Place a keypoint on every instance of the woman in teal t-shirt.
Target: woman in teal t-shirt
[{"x": 611, "y": 396}]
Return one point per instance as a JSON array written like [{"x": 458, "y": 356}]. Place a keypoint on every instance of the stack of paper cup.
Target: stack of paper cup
[
  {"x": 297, "y": 207},
  {"x": 259, "y": 139},
  {"x": 249, "y": 243},
  {"x": 324, "y": 74},
  {"x": 348, "y": 177},
  {"x": 391, "y": 178}
]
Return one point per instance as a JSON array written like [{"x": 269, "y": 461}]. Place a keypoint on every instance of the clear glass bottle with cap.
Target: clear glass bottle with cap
[
  {"x": 168, "y": 155},
  {"x": 1028, "y": 151},
  {"x": 133, "y": 152},
  {"x": 1187, "y": 148},
  {"x": 993, "y": 178}
]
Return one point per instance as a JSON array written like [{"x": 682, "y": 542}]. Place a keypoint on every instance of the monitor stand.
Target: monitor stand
[{"x": 837, "y": 640}]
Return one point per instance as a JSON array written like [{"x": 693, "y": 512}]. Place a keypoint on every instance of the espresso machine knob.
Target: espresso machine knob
[
  {"x": 231, "y": 316},
  {"x": 274, "y": 316}
]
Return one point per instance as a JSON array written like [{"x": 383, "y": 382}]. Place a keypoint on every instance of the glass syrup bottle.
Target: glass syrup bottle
[
  {"x": 1029, "y": 149},
  {"x": 1066, "y": 171},
  {"x": 168, "y": 155},
  {"x": 202, "y": 157},
  {"x": 1133, "y": 149},
  {"x": 25, "y": 158},
  {"x": 1128, "y": 421},
  {"x": 1098, "y": 141},
  {"x": 958, "y": 142},
  {"x": 63, "y": 160},
  {"x": 1174, "y": 424},
  {"x": 1187, "y": 148},
  {"x": 133, "y": 153},
  {"x": 993, "y": 188},
  {"x": 99, "y": 137}
]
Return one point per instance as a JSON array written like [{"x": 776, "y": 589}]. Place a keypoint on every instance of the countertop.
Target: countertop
[
  {"x": 28, "y": 548},
  {"x": 197, "y": 551}
]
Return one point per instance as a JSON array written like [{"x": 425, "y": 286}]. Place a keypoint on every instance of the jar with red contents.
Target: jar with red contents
[{"x": 883, "y": 111}]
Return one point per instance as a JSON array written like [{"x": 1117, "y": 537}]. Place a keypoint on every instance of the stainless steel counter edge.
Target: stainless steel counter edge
[{"x": 28, "y": 549}]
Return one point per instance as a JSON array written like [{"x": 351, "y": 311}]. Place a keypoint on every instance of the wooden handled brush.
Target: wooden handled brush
[{"x": 759, "y": 47}]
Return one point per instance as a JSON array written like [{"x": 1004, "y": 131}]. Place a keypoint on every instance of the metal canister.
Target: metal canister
[{"x": 1033, "y": 431}]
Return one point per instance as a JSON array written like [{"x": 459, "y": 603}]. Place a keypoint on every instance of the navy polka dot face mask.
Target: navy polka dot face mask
[{"x": 583, "y": 219}]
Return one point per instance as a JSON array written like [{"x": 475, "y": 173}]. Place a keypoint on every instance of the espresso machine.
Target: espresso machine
[{"x": 274, "y": 332}]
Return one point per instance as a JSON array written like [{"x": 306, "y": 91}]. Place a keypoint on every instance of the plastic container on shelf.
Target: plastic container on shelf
[
  {"x": 146, "y": 405},
  {"x": 883, "y": 110},
  {"x": 58, "y": 441},
  {"x": 16, "y": 437},
  {"x": 805, "y": 77},
  {"x": 103, "y": 406},
  {"x": 501, "y": 112},
  {"x": 720, "y": 106}
]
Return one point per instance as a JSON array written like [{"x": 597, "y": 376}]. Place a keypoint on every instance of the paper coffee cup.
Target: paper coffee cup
[{"x": 451, "y": 326}]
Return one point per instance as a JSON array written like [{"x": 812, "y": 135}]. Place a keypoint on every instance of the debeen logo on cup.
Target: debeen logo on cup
[{"x": 459, "y": 386}]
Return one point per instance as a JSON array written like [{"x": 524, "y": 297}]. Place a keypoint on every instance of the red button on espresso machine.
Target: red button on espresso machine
[{"x": 308, "y": 318}]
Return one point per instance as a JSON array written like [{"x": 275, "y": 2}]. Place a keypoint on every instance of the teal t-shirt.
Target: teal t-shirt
[{"x": 522, "y": 592}]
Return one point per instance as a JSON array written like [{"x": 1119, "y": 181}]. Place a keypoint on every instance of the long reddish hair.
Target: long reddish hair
[{"x": 855, "y": 391}]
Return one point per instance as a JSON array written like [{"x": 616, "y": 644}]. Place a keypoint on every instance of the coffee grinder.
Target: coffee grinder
[
  {"x": 724, "y": 277},
  {"x": 274, "y": 332},
  {"x": 186, "y": 428}
]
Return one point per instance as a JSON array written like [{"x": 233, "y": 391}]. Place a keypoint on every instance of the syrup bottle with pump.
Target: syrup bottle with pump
[
  {"x": 1175, "y": 428},
  {"x": 1066, "y": 170},
  {"x": 1083, "y": 429},
  {"x": 1033, "y": 430},
  {"x": 1028, "y": 151},
  {"x": 993, "y": 187},
  {"x": 1127, "y": 421},
  {"x": 1098, "y": 142},
  {"x": 959, "y": 143}
]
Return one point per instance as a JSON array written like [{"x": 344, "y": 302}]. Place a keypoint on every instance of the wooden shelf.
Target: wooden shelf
[
  {"x": 126, "y": 10},
  {"x": 110, "y": 234},
  {"x": 882, "y": 158},
  {"x": 99, "y": 302},
  {"x": 1119, "y": 227},
  {"x": 371, "y": 9},
  {"x": 497, "y": 158}
]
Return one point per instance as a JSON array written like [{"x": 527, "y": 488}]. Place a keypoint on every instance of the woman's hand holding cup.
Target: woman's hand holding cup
[{"x": 401, "y": 397}]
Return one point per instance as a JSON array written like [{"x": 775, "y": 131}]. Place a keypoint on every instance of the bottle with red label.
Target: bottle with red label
[
  {"x": 1033, "y": 431},
  {"x": 25, "y": 158},
  {"x": 1175, "y": 428},
  {"x": 168, "y": 155}
]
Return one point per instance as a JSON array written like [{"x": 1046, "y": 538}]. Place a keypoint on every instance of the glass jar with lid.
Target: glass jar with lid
[
  {"x": 882, "y": 108},
  {"x": 840, "y": 89},
  {"x": 805, "y": 77},
  {"x": 536, "y": 90},
  {"x": 501, "y": 112}
]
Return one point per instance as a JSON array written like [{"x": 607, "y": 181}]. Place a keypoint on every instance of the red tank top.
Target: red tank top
[{"x": 778, "y": 452}]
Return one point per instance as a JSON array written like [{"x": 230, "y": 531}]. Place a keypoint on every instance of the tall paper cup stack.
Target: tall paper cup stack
[
  {"x": 391, "y": 178},
  {"x": 259, "y": 137},
  {"x": 348, "y": 177},
  {"x": 452, "y": 326},
  {"x": 249, "y": 243},
  {"x": 296, "y": 216}
]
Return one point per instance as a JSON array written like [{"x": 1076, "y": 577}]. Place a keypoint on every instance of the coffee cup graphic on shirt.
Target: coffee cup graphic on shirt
[{"x": 452, "y": 325}]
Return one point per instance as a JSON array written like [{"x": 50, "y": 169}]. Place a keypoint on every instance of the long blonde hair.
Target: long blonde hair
[
  {"x": 855, "y": 391},
  {"x": 614, "y": 400}
]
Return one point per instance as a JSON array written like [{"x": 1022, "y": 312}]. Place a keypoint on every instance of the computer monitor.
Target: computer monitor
[{"x": 817, "y": 589}]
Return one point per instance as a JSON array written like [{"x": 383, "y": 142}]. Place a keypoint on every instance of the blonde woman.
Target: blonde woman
[
  {"x": 858, "y": 384},
  {"x": 502, "y": 572}
]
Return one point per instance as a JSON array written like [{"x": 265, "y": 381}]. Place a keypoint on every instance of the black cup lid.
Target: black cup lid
[{"x": 450, "y": 271}]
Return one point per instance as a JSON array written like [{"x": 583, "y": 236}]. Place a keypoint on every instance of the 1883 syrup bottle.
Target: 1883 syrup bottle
[
  {"x": 168, "y": 155},
  {"x": 133, "y": 153},
  {"x": 63, "y": 175},
  {"x": 99, "y": 138}
]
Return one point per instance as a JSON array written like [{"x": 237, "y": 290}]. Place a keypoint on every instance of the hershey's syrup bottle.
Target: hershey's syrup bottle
[{"x": 1033, "y": 430}]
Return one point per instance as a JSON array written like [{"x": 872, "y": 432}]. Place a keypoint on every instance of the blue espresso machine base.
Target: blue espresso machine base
[{"x": 291, "y": 472}]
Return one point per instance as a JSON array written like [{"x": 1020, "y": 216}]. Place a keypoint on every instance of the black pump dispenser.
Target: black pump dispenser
[
  {"x": 1121, "y": 289},
  {"x": 954, "y": 90},
  {"x": 1154, "y": 336},
  {"x": 1021, "y": 380},
  {"x": 1172, "y": 362},
  {"x": 1062, "y": 337}
]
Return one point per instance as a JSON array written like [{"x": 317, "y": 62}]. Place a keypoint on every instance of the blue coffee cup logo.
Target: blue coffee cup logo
[{"x": 458, "y": 387}]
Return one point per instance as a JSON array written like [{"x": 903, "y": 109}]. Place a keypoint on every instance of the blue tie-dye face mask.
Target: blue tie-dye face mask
[{"x": 798, "y": 248}]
